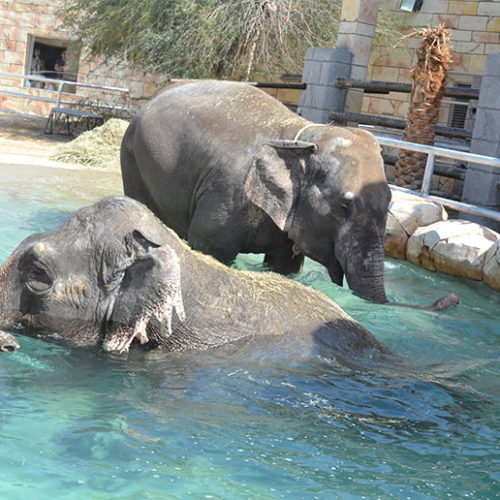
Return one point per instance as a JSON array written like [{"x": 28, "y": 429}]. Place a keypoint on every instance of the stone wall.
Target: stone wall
[
  {"x": 22, "y": 19},
  {"x": 475, "y": 32},
  {"x": 419, "y": 230}
]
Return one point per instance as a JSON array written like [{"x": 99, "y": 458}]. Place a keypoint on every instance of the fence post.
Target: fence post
[
  {"x": 59, "y": 93},
  {"x": 482, "y": 182},
  {"x": 429, "y": 170}
]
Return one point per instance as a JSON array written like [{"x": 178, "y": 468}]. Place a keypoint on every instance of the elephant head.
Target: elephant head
[
  {"x": 331, "y": 196},
  {"x": 92, "y": 282}
]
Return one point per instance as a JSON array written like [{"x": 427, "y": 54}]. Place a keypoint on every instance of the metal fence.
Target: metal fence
[
  {"x": 461, "y": 96},
  {"x": 433, "y": 152},
  {"x": 59, "y": 86}
]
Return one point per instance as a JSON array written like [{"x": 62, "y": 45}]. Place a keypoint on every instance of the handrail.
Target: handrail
[
  {"x": 60, "y": 85},
  {"x": 432, "y": 152},
  {"x": 68, "y": 82},
  {"x": 438, "y": 151}
]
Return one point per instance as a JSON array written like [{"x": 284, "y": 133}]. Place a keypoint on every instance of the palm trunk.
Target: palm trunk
[{"x": 429, "y": 84}]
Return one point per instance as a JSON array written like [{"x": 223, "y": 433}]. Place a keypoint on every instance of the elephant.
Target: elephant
[
  {"x": 114, "y": 276},
  {"x": 232, "y": 170}
]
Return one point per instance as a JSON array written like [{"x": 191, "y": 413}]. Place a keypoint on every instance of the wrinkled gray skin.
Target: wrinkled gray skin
[
  {"x": 218, "y": 163},
  {"x": 114, "y": 275}
]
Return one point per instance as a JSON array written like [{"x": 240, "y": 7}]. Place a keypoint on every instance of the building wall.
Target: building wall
[
  {"x": 475, "y": 32},
  {"x": 22, "y": 19}
]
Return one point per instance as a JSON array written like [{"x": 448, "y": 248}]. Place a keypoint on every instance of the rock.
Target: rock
[
  {"x": 455, "y": 247},
  {"x": 491, "y": 269},
  {"x": 408, "y": 212}
]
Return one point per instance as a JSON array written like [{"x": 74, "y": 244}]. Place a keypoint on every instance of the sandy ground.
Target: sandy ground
[
  {"x": 24, "y": 148},
  {"x": 24, "y": 136}
]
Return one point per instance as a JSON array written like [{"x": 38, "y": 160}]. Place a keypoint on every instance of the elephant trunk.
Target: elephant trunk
[
  {"x": 364, "y": 272},
  {"x": 371, "y": 288}
]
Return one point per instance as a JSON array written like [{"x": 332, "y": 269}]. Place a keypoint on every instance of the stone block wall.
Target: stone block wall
[
  {"x": 475, "y": 33},
  {"x": 36, "y": 18}
]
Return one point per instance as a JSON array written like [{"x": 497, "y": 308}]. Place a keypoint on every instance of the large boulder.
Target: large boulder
[
  {"x": 455, "y": 247},
  {"x": 491, "y": 270},
  {"x": 408, "y": 212}
]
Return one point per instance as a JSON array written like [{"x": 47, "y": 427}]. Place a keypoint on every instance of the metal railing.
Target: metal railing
[
  {"x": 432, "y": 152},
  {"x": 59, "y": 84}
]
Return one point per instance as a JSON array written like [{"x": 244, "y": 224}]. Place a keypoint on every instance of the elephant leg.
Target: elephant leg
[
  {"x": 285, "y": 264},
  {"x": 133, "y": 183},
  {"x": 219, "y": 235},
  {"x": 214, "y": 246}
]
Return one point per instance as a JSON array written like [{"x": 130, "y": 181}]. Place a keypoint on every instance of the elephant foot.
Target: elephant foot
[
  {"x": 7, "y": 342},
  {"x": 285, "y": 264}
]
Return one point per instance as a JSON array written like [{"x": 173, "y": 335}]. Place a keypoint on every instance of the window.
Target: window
[
  {"x": 52, "y": 58},
  {"x": 411, "y": 5}
]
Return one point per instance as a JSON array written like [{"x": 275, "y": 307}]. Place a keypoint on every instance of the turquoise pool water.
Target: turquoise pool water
[{"x": 77, "y": 424}]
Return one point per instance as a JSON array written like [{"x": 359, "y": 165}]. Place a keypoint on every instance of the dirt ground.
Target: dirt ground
[{"x": 21, "y": 135}]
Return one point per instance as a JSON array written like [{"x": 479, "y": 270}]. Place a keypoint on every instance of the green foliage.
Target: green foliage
[{"x": 204, "y": 38}]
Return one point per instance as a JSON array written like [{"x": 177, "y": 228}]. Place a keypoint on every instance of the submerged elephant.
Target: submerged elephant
[
  {"x": 232, "y": 170},
  {"x": 114, "y": 275}
]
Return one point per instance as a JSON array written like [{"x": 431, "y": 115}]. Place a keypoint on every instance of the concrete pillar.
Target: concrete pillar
[
  {"x": 357, "y": 27},
  {"x": 322, "y": 67},
  {"x": 482, "y": 182},
  {"x": 349, "y": 59}
]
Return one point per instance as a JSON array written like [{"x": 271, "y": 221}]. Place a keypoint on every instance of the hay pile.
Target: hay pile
[{"x": 99, "y": 147}]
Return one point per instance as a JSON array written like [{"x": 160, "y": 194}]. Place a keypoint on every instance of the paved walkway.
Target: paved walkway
[{"x": 24, "y": 136}]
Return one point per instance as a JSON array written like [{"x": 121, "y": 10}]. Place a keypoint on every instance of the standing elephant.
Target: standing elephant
[
  {"x": 232, "y": 170},
  {"x": 114, "y": 275}
]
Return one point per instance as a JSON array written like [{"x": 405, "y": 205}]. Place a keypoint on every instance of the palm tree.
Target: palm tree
[{"x": 429, "y": 85}]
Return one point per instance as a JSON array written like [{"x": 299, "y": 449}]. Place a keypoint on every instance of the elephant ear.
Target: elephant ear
[
  {"x": 274, "y": 179},
  {"x": 150, "y": 288},
  {"x": 117, "y": 259}
]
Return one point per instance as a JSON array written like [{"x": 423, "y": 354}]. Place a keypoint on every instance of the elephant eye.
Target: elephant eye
[{"x": 37, "y": 279}]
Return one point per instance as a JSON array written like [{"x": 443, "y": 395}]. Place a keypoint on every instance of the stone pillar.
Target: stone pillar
[
  {"x": 482, "y": 182},
  {"x": 356, "y": 30},
  {"x": 349, "y": 59},
  {"x": 322, "y": 67}
]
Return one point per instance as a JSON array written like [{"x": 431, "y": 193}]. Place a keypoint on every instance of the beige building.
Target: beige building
[
  {"x": 475, "y": 32},
  {"x": 32, "y": 41}
]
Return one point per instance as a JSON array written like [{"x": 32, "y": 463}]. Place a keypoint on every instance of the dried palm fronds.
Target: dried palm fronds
[{"x": 429, "y": 84}]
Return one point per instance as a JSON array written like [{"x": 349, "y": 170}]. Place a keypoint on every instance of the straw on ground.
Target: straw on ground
[{"x": 99, "y": 147}]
